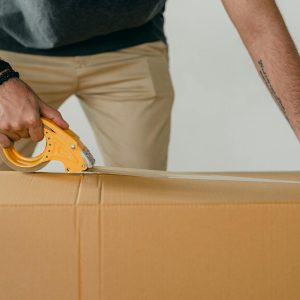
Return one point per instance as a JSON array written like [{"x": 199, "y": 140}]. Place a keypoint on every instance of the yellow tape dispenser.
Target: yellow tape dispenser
[{"x": 61, "y": 144}]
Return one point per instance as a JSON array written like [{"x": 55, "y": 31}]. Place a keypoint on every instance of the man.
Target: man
[
  {"x": 113, "y": 56},
  {"x": 110, "y": 53}
]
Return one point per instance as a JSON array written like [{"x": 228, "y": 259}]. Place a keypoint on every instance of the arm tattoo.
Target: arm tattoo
[{"x": 267, "y": 81}]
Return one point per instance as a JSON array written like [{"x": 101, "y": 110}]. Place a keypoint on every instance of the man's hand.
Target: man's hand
[
  {"x": 20, "y": 112},
  {"x": 271, "y": 47}
]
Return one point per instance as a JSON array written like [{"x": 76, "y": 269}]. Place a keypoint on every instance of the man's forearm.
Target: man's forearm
[{"x": 276, "y": 58}]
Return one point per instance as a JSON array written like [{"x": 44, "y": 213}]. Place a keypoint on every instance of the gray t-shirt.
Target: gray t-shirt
[{"x": 78, "y": 27}]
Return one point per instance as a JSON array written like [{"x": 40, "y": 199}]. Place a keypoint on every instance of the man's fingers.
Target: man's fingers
[
  {"x": 4, "y": 141},
  {"x": 32, "y": 129},
  {"x": 53, "y": 115},
  {"x": 11, "y": 135},
  {"x": 36, "y": 131},
  {"x": 23, "y": 134}
]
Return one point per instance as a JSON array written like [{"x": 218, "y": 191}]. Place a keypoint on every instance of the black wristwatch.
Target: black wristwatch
[
  {"x": 4, "y": 65},
  {"x": 6, "y": 72}
]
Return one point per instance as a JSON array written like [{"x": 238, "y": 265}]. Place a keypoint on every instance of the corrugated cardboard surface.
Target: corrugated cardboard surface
[{"x": 86, "y": 237}]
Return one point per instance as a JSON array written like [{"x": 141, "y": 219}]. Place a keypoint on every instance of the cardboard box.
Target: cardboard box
[{"x": 113, "y": 237}]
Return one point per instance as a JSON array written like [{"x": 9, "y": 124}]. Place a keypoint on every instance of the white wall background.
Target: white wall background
[{"x": 224, "y": 118}]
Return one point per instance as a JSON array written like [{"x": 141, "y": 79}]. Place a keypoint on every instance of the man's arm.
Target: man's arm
[{"x": 271, "y": 47}]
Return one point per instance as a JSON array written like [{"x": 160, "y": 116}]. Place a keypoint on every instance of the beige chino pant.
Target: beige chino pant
[{"x": 127, "y": 96}]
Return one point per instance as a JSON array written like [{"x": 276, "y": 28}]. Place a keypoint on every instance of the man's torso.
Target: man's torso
[{"x": 48, "y": 26}]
